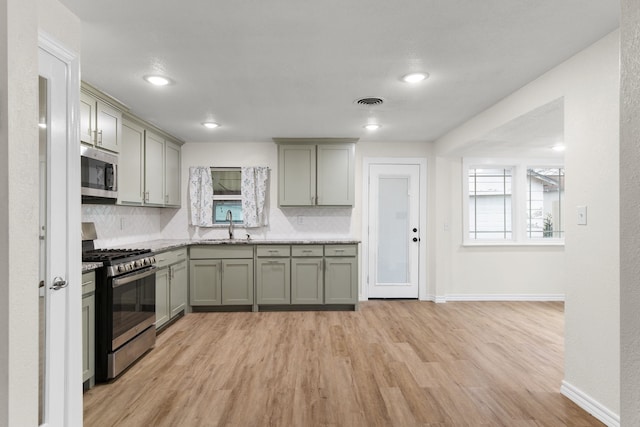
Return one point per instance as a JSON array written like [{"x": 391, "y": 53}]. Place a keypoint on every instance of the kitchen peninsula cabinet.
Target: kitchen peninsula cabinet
[
  {"x": 316, "y": 172},
  {"x": 171, "y": 285},
  {"x": 149, "y": 169},
  {"x": 221, "y": 275},
  {"x": 100, "y": 123},
  {"x": 88, "y": 328},
  {"x": 307, "y": 275}
]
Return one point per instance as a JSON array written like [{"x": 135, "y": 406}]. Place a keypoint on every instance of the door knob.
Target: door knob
[{"x": 58, "y": 283}]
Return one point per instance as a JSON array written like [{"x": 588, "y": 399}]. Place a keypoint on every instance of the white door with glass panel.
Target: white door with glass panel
[
  {"x": 394, "y": 235},
  {"x": 60, "y": 373}
]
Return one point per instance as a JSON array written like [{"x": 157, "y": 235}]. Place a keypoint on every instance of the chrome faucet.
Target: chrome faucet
[{"x": 230, "y": 219}]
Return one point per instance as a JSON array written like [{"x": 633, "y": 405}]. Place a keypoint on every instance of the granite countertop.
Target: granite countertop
[
  {"x": 90, "y": 266},
  {"x": 169, "y": 244}
]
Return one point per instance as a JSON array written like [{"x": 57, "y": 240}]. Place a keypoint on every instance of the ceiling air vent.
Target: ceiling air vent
[{"x": 370, "y": 101}]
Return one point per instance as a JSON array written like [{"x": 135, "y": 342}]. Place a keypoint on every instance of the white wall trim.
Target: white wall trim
[
  {"x": 500, "y": 297},
  {"x": 590, "y": 405},
  {"x": 424, "y": 191}
]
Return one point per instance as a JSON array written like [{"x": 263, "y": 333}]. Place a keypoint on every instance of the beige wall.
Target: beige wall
[
  {"x": 489, "y": 272},
  {"x": 19, "y": 217},
  {"x": 630, "y": 214},
  {"x": 18, "y": 244},
  {"x": 589, "y": 84}
]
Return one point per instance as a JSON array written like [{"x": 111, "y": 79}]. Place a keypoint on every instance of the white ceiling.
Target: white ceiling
[
  {"x": 293, "y": 68},
  {"x": 531, "y": 135}
]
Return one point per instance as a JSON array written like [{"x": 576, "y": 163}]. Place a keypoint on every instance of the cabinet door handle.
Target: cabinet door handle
[{"x": 100, "y": 135}]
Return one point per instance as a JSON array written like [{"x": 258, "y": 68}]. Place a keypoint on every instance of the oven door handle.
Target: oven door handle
[{"x": 123, "y": 280}]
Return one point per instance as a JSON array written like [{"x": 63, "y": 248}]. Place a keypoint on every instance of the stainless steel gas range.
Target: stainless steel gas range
[{"x": 125, "y": 305}]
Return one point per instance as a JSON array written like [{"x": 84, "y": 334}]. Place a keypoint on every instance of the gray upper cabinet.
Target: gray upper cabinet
[
  {"x": 172, "y": 174},
  {"x": 131, "y": 165},
  {"x": 100, "y": 123},
  {"x": 149, "y": 167},
  {"x": 335, "y": 175},
  {"x": 297, "y": 175},
  {"x": 154, "y": 169},
  {"x": 319, "y": 174}
]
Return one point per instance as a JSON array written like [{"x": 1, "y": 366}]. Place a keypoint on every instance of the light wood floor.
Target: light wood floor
[{"x": 393, "y": 363}]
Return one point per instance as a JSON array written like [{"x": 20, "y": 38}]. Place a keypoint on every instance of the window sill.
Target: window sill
[{"x": 512, "y": 244}]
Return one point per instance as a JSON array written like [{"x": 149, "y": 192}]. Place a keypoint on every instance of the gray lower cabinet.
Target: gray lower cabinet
[
  {"x": 273, "y": 280},
  {"x": 204, "y": 282},
  {"x": 179, "y": 285},
  {"x": 273, "y": 274},
  {"x": 307, "y": 274},
  {"x": 88, "y": 328},
  {"x": 171, "y": 285},
  {"x": 221, "y": 275},
  {"x": 162, "y": 297},
  {"x": 307, "y": 281},
  {"x": 341, "y": 274},
  {"x": 237, "y": 281}
]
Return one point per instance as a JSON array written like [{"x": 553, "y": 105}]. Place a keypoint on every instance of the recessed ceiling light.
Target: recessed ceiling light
[
  {"x": 210, "y": 125},
  {"x": 157, "y": 80},
  {"x": 559, "y": 147},
  {"x": 372, "y": 126},
  {"x": 415, "y": 77}
]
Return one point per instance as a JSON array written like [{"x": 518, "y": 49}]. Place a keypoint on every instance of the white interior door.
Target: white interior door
[
  {"x": 394, "y": 230},
  {"x": 60, "y": 287}
]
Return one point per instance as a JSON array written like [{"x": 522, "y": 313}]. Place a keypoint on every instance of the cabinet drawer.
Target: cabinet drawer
[
  {"x": 88, "y": 282},
  {"x": 306, "y": 250},
  {"x": 164, "y": 259},
  {"x": 340, "y": 250},
  {"x": 273, "y": 251},
  {"x": 221, "y": 251}
]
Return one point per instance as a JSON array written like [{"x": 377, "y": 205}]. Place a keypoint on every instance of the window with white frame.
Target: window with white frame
[
  {"x": 227, "y": 195},
  {"x": 515, "y": 201},
  {"x": 490, "y": 203},
  {"x": 545, "y": 199}
]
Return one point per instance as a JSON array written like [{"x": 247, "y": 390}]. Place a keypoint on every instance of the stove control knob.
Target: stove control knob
[
  {"x": 136, "y": 264},
  {"x": 120, "y": 268},
  {"x": 146, "y": 261}
]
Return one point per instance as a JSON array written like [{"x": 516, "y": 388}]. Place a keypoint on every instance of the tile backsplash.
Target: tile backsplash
[{"x": 122, "y": 225}]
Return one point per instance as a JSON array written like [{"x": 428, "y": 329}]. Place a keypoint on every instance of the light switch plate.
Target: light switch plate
[{"x": 582, "y": 215}]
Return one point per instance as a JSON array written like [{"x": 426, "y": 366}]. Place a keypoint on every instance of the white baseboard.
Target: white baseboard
[
  {"x": 590, "y": 405},
  {"x": 501, "y": 297},
  {"x": 438, "y": 299}
]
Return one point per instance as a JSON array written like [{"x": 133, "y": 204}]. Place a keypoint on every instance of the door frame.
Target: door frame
[
  {"x": 423, "y": 235},
  {"x": 72, "y": 390}
]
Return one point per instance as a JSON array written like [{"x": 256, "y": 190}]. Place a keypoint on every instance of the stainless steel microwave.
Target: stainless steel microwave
[{"x": 99, "y": 176}]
